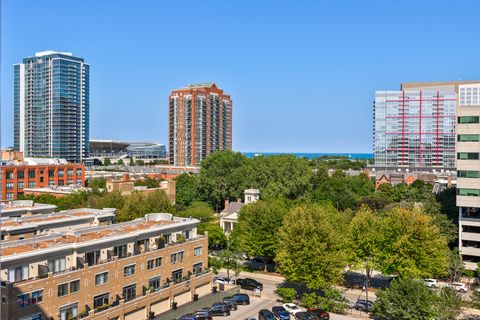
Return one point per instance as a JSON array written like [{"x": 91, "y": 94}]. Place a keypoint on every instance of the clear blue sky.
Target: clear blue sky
[{"x": 302, "y": 74}]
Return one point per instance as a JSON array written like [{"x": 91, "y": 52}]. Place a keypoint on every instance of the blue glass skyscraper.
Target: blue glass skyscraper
[{"x": 51, "y": 101}]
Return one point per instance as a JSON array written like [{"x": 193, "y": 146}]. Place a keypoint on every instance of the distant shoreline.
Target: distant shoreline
[{"x": 312, "y": 155}]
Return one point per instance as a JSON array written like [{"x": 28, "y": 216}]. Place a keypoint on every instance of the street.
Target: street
[{"x": 267, "y": 300}]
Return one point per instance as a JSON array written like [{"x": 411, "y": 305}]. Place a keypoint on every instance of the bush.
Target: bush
[
  {"x": 287, "y": 294},
  {"x": 309, "y": 300},
  {"x": 333, "y": 301}
]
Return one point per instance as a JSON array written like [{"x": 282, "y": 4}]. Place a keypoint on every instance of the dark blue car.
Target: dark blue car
[{"x": 281, "y": 313}]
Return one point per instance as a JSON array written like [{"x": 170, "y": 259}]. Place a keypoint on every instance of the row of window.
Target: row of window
[
  {"x": 468, "y": 192},
  {"x": 51, "y": 173},
  {"x": 469, "y": 119},
  {"x": 468, "y": 137},
  {"x": 30, "y": 299},
  {"x": 68, "y": 287},
  {"x": 468, "y": 156},
  {"x": 468, "y": 174}
]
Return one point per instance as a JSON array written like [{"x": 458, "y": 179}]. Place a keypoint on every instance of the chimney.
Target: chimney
[
  {"x": 449, "y": 182},
  {"x": 126, "y": 177},
  {"x": 227, "y": 202}
]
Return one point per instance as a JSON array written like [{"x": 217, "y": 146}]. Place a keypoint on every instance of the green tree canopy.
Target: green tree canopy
[
  {"x": 107, "y": 162},
  {"x": 311, "y": 244},
  {"x": 257, "y": 226},
  {"x": 187, "y": 189}
]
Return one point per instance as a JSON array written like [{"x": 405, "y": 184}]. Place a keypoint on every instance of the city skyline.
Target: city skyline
[{"x": 337, "y": 58}]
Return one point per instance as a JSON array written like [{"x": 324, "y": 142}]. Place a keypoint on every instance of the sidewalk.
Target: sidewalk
[{"x": 262, "y": 276}]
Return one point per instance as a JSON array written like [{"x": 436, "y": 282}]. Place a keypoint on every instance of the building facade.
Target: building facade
[
  {"x": 121, "y": 149},
  {"x": 51, "y": 106},
  {"x": 200, "y": 123},
  {"x": 132, "y": 270},
  {"x": 468, "y": 173},
  {"x": 39, "y": 173}
]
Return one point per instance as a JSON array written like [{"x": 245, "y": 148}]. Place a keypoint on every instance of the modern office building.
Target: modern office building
[
  {"x": 18, "y": 173},
  {"x": 200, "y": 123},
  {"x": 51, "y": 106},
  {"x": 414, "y": 128},
  {"x": 468, "y": 173},
  {"x": 129, "y": 271}
]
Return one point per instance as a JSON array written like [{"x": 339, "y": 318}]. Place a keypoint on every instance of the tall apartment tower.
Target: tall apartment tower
[
  {"x": 51, "y": 106},
  {"x": 415, "y": 127},
  {"x": 468, "y": 172},
  {"x": 200, "y": 123}
]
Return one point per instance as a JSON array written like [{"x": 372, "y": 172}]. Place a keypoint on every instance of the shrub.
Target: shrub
[{"x": 287, "y": 294}]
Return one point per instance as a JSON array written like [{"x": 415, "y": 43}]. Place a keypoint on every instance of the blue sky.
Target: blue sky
[{"x": 302, "y": 74}]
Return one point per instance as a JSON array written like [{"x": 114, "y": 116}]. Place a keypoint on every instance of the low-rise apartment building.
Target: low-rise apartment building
[
  {"x": 19, "y": 173},
  {"x": 26, "y": 227},
  {"x": 130, "y": 270},
  {"x": 19, "y": 208}
]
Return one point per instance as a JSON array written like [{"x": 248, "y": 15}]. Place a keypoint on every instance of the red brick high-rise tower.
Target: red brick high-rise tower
[{"x": 200, "y": 123}]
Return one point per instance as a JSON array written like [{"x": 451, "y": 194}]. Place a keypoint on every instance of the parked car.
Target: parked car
[
  {"x": 224, "y": 280},
  {"x": 266, "y": 314},
  {"x": 220, "y": 309},
  {"x": 251, "y": 318},
  {"x": 292, "y": 308},
  {"x": 457, "y": 286},
  {"x": 321, "y": 314},
  {"x": 231, "y": 303},
  {"x": 431, "y": 283},
  {"x": 203, "y": 315},
  {"x": 188, "y": 317},
  {"x": 305, "y": 315},
  {"x": 363, "y": 305},
  {"x": 241, "y": 298},
  {"x": 249, "y": 284},
  {"x": 230, "y": 308},
  {"x": 281, "y": 313}
]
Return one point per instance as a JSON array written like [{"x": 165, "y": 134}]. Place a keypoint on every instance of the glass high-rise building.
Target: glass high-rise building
[
  {"x": 200, "y": 123},
  {"x": 51, "y": 102}
]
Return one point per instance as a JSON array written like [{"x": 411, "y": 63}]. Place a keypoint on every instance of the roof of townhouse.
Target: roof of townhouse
[
  {"x": 26, "y": 206},
  {"x": 18, "y": 249},
  {"x": 27, "y": 222}
]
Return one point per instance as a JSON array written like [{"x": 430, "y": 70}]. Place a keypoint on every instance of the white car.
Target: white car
[
  {"x": 457, "y": 286},
  {"x": 224, "y": 280},
  {"x": 431, "y": 283},
  {"x": 292, "y": 308}
]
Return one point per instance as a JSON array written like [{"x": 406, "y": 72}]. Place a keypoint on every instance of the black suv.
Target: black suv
[
  {"x": 266, "y": 314},
  {"x": 241, "y": 298},
  {"x": 220, "y": 309},
  {"x": 249, "y": 284}
]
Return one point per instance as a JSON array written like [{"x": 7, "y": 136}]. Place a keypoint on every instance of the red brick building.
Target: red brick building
[
  {"x": 18, "y": 174},
  {"x": 200, "y": 123}
]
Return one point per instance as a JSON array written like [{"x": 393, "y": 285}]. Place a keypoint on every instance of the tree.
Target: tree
[
  {"x": 120, "y": 162},
  {"x": 139, "y": 162},
  {"x": 287, "y": 294},
  {"x": 131, "y": 162},
  {"x": 412, "y": 245},
  {"x": 405, "y": 299},
  {"x": 198, "y": 210},
  {"x": 106, "y": 200},
  {"x": 455, "y": 265},
  {"x": 107, "y": 162},
  {"x": 448, "y": 305},
  {"x": 257, "y": 226},
  {"x": 99, "y": 183},
  {"x": 148, "y": 182},
  {"x": 138, "y": 204},
  {"x": 187, "y": 189},
  {"x": 310, "y": 247},
  {"x": 216, "y": 237},
  {"x": 223, "y": 176}
]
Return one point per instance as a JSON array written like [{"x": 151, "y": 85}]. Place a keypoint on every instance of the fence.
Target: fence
[{"x": 192, "y": 306}]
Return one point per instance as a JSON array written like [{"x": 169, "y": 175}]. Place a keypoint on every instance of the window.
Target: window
[
  {"x": 158, "y": 262},
  {"x": 79, "y": 183},
  {"x": 197, "y": 268},
  {"x": 78, "y": 172},
  {"x": 69, "y": 182},
  {"x": 468, "y": 138},
  {"x": 467, "y": 156},
  {"x": 61, "y": 182},
  {"x": 9, "y": 196},
  {"x": 70, "y": 173},
  {"x": 23, "y": 300},
  {"x": 62, "y": 289},
  {"x": 92, "y": 258},
  {"x": 9, "y": 175},
  {"x": 74, "y": 286},
  {"x": 18, "y": 273},
  {"x": 61, "y": 173},
  {"x": 120, "y": 251},
  {"x": 468, "y": 174},
  {"x": 180, "y": 256},
  {"x": 51, "y": 173},
  {"x": 56, "y": 265},
  {"x": 173, "y": 258},
  {"x": 129, "y": 292},
  {"x": 69, "y": 312},
  {"x": 100, "y": 300},
  {"x": 129, "y": 270},
  {"x": 469, "y": 119},
  {"x": 101, "y": 278},
  {"x": 468, "y": 192},
  {"x": 177, "y": 276},
  {"x": 31, "y": 184},
  {"x": 37, "y": 297},
  {"x": 197, "y": 251},
  {"x": 9, "y": 185},
  {"x": 150, "y": 264},
  {"x": 20, "y": 174},
  {"x": 20, "y": 185},
  {"x": 31, "y": 174},
  {"x": 154, "y": 283}
]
